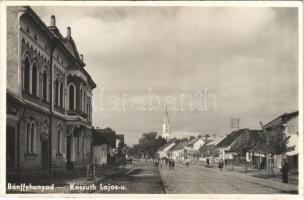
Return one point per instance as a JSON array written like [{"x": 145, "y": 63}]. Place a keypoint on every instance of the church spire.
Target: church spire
[
  {"x": 166, "y": 126},
  {"x": 166, "y": 117}
]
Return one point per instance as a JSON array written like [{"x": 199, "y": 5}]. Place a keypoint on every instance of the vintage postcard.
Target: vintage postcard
[{"x": 163, "y": 98}]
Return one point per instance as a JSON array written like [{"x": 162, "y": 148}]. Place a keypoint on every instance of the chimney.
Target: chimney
[
  {"x": 81, "y": 57},
  {"x": 53, "y": 20},
  {"x": 69, "y": 32}
]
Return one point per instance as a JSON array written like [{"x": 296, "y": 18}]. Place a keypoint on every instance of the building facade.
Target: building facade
[
  {"x": 101, "y": 148},
  {"x": 289, "y": 122},
  {"x": 49, "y": 108}
]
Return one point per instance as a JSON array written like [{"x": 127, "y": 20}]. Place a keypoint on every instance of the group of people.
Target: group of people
[
  {"x": 171, "y": 162},
  {"x": 168, "y": 161}
]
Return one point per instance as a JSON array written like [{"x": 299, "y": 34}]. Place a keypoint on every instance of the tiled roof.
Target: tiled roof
[
  {"x": 179, "y": 146},
  {"x": 229, "y": 139},
  {"x": 192, "y": 142},
  {"x": 282, "y": 119},
  {"x": 104, "y": 136},
  {"x": 165, "y": 146},
  {"x": 215, "y": 141}
]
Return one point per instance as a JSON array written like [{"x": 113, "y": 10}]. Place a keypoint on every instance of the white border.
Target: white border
[{"x": 297, "y": 4}]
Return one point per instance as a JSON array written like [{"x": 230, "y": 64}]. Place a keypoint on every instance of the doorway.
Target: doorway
[
  {"x": 69, "y": 153},
  {"x": 10, "y": 147}
]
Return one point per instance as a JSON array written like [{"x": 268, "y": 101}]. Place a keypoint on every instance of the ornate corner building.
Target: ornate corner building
[{"x": 49, "y": 96}]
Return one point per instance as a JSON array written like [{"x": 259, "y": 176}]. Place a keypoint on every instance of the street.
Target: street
[
  {"x": 144, "y": 177},
  {"x": 198, "y": 179},
  {"x": 141, "y": 178}
]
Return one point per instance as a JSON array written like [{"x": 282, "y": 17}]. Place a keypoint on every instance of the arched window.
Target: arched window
[
  {"x": 45, "y": 132},
  {"x": 71, "y": 97},
  {"x": 33, "y": 138},
  {"x": 28, "y": 137},
  {"x": 80, "y": 99},
  {"x": 26, "y": 78},
  {"x": 44, "y": 86},
  {"x": 34, "y": 79},
  {"x": 61, "y": 94},
  {"x": 83, "y": 103},
  {"x": 56, "y": 92},
  {"x": 83, "y": 144}
]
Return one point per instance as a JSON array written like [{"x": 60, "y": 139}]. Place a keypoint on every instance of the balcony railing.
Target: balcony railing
[
  {"x": 72, "y": 112},
  {"x": 59, "y": 109}
]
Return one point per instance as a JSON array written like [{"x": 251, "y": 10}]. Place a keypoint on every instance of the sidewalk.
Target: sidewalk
[
  {"x": 63, "y": 178},
  {"x": 101, "y": 175}
]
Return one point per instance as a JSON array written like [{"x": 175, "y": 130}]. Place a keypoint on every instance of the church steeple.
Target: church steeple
[
  {"x": 166, "y": 117},
  {"x": 166, "y": 126}
]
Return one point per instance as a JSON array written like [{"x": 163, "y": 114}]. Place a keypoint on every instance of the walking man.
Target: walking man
[
  {"x": 285, "y": 169},
  {"x": 221, "y": 164},
  {"x": 173, "y": 163}
]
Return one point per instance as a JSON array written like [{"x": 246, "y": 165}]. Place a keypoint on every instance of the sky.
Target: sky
[{"x": 245, "y": 58}]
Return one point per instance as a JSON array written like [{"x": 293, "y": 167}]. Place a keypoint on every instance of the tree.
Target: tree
[
  {"x": 191, "y": 138},
  {"x": 148, "y": 144},
  {"x": 271, "y": 141},
  {"x": 274, "y": 141},
  {"x": 119, "y": 148}
]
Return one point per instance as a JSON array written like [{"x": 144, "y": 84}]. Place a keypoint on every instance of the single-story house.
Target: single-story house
[
  {"x": 209, "y": 149},
  {"x": 224, "y": 146},
  {"x": 178, "y": 152},
  {"x": 103, "y": 145},
  {"x": 163, "y": 151}
]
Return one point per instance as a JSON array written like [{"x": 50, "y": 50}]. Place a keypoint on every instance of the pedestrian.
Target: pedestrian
[
  {"x": 221, "y": 164},
  {"x": 285, "y": 169},
  {"x": 170, "y": 164},
  {"x": 161, "y": 163},
  {"x": 166, "y": 161},
  {"x": 207, "y": 161},
  {"x": 173, "y": 163},
  {"x": 187, "y": 162},
  {"x": 131, "y": 160}
]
